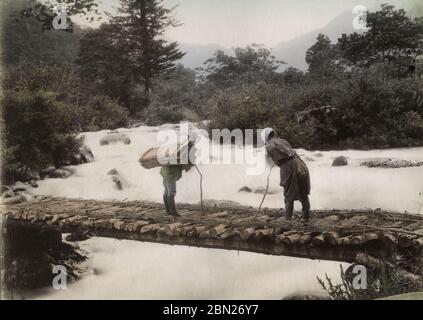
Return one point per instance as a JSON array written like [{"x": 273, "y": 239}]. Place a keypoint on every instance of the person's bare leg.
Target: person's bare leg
[
  {"x": 289, "y": 209},
  {"x": 171, "y": 198},
  {"x": 165, "y": 196},
  {"x": 305, "y": 202}
]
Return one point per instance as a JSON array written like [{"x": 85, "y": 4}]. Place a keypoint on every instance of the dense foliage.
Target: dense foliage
[
  {"x": 45, "y": 101},
  {"x": 36, "y": 134},
  {"x": 365, "y": 91},
  {"x": 130, "y": 52}
]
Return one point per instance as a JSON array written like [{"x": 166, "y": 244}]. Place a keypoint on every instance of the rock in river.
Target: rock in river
[
  {"x": 391, "y": 164},
  {"x": 245, "y": 189},
  {"x": 115, "y": 137},
  {"x": 52, "y": 172},
  {"x": 14, "y": 200},
  {"x": 340, "y": 162},
  {"x": 19, "y": 186}
]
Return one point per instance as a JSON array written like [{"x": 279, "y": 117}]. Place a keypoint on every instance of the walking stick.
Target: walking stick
[
  {"x": 267, "y": 190},
  {"x": 201, "y": 188}
]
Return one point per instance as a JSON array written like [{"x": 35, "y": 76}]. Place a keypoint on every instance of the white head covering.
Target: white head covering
[
  {"x": 195, "y": 135},
  {"x": 265, "y": 133}
]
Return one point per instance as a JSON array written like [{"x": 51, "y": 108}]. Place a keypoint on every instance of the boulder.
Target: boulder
[
  {"x": 19, "y": 186},
  {"x": 320, "y": 120},
  {"x": 117, "y": 179},
  {"x": 263, "y": 191},
  {"x": 391, "y": 164},
  {"x": 114, "y": 138},
  {"x": 245, "y": 189},
  {"x": 258, "y": 190},
  {"x": 14, "y": 200},
  {"x": 33, "y": 184},
  {"x": 78, "y": 236},
  {"x": 34, "y": 176},
  {"x": 44, "y": 173},
  {"x": 118, "y": 183},
  {"x": 54, "y": 173},
  {"x": 113, "y": 172},
  {"x": 85, "y": 155},
  {"x": 59, "y": 173},
  {"x": 340, "y": 162},
  {"x": 8, "y": 194}
]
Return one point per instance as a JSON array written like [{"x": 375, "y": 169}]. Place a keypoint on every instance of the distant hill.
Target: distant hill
[
  {"x": 417, "y": 10},
  {"x": 293, "y": 52},
  {"x": 197, "y": 54}
]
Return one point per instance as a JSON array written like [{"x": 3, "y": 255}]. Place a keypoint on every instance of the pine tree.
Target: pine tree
[{"x": 142, "y": 24}]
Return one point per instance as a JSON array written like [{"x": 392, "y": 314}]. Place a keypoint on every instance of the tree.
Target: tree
[
  {"x": 125, "y": 56},
  {"x": 392, "y": 37},
  {"x": 24, "y": 42},
  {"x": 322, "y": 57},
  {"x": 102, "y": 61},
  {"x": 142, "y": 24},
  {"x": 249, "y": 65},
  {"x": 51, "y": 142},
  {"x": 293, "y": 76},
  {"x": 175, "y": 98}
]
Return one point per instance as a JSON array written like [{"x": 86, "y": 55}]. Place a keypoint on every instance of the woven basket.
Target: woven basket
[{"x": 149, "y": 159}]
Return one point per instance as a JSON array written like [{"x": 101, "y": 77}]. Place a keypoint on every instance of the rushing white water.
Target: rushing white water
[{"x": 134, "y": 270}]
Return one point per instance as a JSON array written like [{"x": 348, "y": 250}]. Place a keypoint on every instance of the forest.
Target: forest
[{"x": 364, "y": 91}]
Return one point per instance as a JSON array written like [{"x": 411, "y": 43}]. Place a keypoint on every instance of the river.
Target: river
[{"x": 133, "y": 270}]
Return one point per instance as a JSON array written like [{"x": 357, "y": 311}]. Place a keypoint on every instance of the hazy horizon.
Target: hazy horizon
[{"x": 242, "y": 22}]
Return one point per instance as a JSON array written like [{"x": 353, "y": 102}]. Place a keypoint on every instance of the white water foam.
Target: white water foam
[{"x": 145, "y": 271}]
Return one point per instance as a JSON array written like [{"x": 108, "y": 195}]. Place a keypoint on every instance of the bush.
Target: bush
[
  {"x": 381, "y": 283},
  {"x": 159, "y": 114},
  {"x": 100, "y": 112},
  {"x": 36, "y": 133},
  {"x": 175, "y": 98},
  {"x": 311, "y": 94},
  {"x": 256, "y": 107},
  {"x": 248, "y": 107},
  {"x": 87, "y": 111},
  {"x": 378, "y": 111}
]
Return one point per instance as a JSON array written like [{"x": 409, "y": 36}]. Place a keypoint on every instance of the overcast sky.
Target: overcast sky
[{"x": 241, "y": 22}]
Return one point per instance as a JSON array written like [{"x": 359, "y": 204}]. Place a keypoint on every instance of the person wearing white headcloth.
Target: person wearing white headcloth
[
  {"x": 172, "y": 173},
  {"x": 294, "y": 174}
]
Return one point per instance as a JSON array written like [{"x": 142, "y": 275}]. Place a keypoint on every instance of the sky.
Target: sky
[{"x": 241, "y": 22}]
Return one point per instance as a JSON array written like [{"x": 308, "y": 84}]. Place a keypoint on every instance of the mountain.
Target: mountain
[
  {"x": 293, "y": 52},
  {"x": 197, "y": 54},
  {"x": 417, "y": 10}
]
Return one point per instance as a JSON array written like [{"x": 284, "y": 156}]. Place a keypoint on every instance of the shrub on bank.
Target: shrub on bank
[
  {"x": 37, "y": 132},
  {"x": 99, "y": 113},
  {"x": 366, "y": 110}
]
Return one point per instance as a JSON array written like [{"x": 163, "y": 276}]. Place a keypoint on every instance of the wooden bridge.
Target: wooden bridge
[{"x": 330, "y": 235}]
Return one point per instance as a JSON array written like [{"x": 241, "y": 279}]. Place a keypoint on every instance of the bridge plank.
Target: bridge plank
[{"x": 334, "y": 234}]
